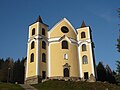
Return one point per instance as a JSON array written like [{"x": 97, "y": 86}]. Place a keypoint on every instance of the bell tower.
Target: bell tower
[
  {"x": 36, "y": 65},
  {"x": 85, "y": 52}
]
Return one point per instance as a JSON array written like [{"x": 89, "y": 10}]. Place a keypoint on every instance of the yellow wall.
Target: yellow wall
[
  {"x": 58, "y": 33},
  {"x": 85, "y": 67},
  {"x": 31, "y": 27},
  {"x": 85, "y": 29},
  {"x": 43, "y": 65},
  {"x": 32, "y": 66},
  {"x": 57, "y": 53},
  {"x": 57, "y": 59}
]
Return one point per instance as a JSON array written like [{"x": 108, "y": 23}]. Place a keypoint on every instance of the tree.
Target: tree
[
  {"x": 118, "y": 10},
  {"x": 109, "y": 75},
  {"x": 118, "y": 40},
  {"x": 118, "y": 49},
  {"x": 101, "y": 72},
  {"x": 6, "y": 70},
  {"x": 19, "y": 70},
  {"x": 118, "y": 67},
  {"x": 118, "y": 43}
]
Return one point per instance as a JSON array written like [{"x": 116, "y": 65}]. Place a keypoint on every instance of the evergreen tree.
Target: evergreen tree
[
  {"x": 118, "y": 67},
  {"x": 19, "y": 70},
  {"x": 101, "y": 72},
  {"x": 109, "y": 75},
  {"x": 118, "y": 43}
]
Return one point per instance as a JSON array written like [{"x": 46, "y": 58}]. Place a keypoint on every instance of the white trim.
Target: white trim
[
  {"x": 82, "y": 28},
  {"x": 80, "y": 62},
  {"x": 53, "y": 39},
  {"x": 37, "y": 52},
  {"x": 64, "y": 19},
  {"x": 84, "y": 41},
  {"x": 38, "y": 28},
  {"x": 36, "y": 57},
  {"x": 91, "y": 58},
  {"x": 29, "y": 32},
  {"x": 49, "y": 68},
  {"x": 27, "y": 61},
  {"x": 88, "y": 32}
]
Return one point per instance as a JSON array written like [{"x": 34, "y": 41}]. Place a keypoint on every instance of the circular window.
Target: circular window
[{"x": 64, "y": 29}]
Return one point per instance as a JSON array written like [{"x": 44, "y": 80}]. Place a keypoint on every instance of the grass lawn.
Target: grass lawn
[
  {"x": 69, "y": 85},
  {"x": 9, "y": 86}
]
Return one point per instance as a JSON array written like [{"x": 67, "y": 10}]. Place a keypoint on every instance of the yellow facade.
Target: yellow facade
[{"x": 62, "y": 52}]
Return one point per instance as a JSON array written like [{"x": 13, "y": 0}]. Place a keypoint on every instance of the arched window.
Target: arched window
[
  {"x": 64, "y": 44},
  {"x": 84, "y": 59},
  {"x": 33, "y": 31},
  {"x": 32, "y": 44},
  {"x": 66, "y": 72},
  {"x": 43, "y": 45},
  {"x": 43, "y": 31},
  {"x": 32, "y": 58},
  {"x": 66, "y": 56},
  {"x": 84, "y": 47},
  {"x": 43, "y": 57},
  {"x": 83, "y": 35}
]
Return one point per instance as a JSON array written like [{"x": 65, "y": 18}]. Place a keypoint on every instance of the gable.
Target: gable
[{"x": 56, "y": 32}]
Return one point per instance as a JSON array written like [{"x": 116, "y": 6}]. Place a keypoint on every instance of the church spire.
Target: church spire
[
  {"x": 83, "y": 24},
  {"x": 39, "y": 19}
]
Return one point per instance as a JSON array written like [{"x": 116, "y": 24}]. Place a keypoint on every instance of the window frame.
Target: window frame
[
  {"x": 43, "y": 45},
  {"x": 32, "y": 45},
  {"x": 33, "y": 31},
  {"x": 84, "y": 59},
  {"x": 43, "y": 57},
  {"x": 64, "y": 29},
  {"x": 65, "y": 44},
  {"x": 84, "y": 47},
  {"x": 43, "y": 31},
  {"x": 32, "y": 58},
  {"x": 66, "y": 56},
  {"x": 83, "y": 35}
]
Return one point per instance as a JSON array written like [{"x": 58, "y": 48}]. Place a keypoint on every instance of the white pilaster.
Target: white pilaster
[
  {"x": 91, "y": 58},
  {"x": 48, "y": 65},
  {"x": 80, "y": 62},
  {"x": 37, "y": 51},
  {"x": 27, "y": 61}
]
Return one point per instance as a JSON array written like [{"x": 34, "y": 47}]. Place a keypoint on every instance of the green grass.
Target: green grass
[
  {"x": 9, "y": 86},
  {"x": 69, "y": 85}
]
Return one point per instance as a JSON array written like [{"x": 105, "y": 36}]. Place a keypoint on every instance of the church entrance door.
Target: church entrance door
[{"x": 66, "y": 72}]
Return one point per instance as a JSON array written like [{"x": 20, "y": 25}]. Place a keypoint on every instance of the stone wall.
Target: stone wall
[{"x": 33, "y": 80}]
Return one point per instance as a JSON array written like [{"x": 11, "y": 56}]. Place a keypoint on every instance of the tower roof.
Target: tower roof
[
  {"x": 83, "y": 24},
  {"x": 39, "y": 19}
]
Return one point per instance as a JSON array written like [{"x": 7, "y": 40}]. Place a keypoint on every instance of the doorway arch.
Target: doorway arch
[{"x": 66, "y": 72}]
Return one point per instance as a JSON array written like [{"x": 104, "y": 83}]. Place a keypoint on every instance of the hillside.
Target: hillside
[
  {"x": 69, "y": 85},
  {"x": 10, "y": 86}
]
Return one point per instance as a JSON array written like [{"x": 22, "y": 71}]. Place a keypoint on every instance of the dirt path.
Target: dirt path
[{"x": 27, "y": 87}]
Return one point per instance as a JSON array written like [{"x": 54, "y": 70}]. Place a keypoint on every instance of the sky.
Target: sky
[{"x": 100, "y": 15}]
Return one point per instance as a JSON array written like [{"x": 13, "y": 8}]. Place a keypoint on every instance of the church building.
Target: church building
[{"x": 62, "y": 52}]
